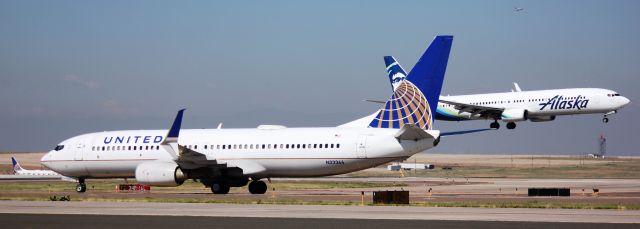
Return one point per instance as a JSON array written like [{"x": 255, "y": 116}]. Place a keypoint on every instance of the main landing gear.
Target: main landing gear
[
  {"x": 495, "y": 125},
  {"x": 220, "y": 188},
  {"x": 81, "y": 187},
  {"x": 255, "y": 187}
]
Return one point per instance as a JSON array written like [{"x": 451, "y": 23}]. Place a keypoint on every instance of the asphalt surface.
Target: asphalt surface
[
  {"x": 321, "y": 212},
  {"x": 123, "y": 221}
]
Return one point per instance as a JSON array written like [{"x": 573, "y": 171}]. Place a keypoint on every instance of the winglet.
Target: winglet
[
  {"x": 174, "y": 132},
  {"x": 516, "y": 87},
  {"x": 170, "y": 143}
]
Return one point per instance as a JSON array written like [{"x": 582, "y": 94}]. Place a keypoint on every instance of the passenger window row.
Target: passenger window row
[
  {"x": 224, "y": 147},
  {"x": 521, "y": 101},
  {"x": 117, "y": 148},
  {"x": 267, "y": 146}
]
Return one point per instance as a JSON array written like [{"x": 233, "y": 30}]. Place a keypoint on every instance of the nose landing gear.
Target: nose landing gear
[
  {"x": 81, "y": 187},
  {"x": 605, "y": 119}
]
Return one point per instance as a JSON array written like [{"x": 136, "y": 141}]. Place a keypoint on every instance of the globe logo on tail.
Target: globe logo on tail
[{"x": 407, "y": 106}]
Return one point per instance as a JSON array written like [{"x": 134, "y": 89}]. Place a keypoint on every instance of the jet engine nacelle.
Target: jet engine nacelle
[
  {"x": 160, "y": 173},
  {"x": 513, "y": 115},
  {"x": 542, "y": 118}
]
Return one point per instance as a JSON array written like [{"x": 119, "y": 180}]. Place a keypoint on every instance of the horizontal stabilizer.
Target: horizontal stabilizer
[
  {"x": 413, "y": 133},
  {"x": 374, "y": 101}
]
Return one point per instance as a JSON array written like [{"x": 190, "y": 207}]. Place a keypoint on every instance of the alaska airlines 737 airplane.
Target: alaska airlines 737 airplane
[
  {"x": 224, "y": 158},
  {"x": 518, "y": 105}
]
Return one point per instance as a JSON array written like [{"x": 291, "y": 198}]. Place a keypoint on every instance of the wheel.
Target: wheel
[
  {"x": 81, "y": 187},
  {"x": 257, "y": 187},
  {"x": 494, "y": 125},
  {"x": 219, "y": 188},
  {"x": 511, "y": 125},
  {"x": 605, "y": 120}
]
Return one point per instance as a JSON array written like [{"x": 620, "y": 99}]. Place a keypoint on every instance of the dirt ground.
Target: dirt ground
[{"x": 438, "y": 189}]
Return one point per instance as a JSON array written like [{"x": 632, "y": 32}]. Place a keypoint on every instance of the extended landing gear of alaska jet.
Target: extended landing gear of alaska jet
[
  {"x": 511, "y": 125},
  {"x": 81, "y": 187},
  {"x": 495, "y": 125},
  {"x": 605, "y": 119},
  {"x": 220, "y": 188},
  {"x": 257, "y": 187}
]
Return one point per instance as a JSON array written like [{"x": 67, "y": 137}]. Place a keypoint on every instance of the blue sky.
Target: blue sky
[{"x": 72, "y": 67}]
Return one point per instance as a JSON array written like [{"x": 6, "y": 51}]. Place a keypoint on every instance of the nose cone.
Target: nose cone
[
  {"x": 624, "y": 101},
  {"x": 46, "y": 159}
]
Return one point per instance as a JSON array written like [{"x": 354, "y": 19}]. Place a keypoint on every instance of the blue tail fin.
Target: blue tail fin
[
  {"x": 416, "y": 99},
  {"x": 16, "y": 166},
  {"x": 395, "y": 71}
]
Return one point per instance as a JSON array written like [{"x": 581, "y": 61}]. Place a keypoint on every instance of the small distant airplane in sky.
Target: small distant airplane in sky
[{"x": 517, "y": 9}]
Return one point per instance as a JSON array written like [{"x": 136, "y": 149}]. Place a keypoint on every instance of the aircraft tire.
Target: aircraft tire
[
  {"x": 494, "y": 125},
  {"x": 511, "y": 125},
  {"x": 257, "y": 187},
  {"x": 81, "y": 188},
  {"x": 605, "y": 120},
  {"x": 219, "y": 188}
]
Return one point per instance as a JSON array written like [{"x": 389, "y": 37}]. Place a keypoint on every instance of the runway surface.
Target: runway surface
[
  {"x": 138, "y": 222},
  {"x": 327, "y": 212}
]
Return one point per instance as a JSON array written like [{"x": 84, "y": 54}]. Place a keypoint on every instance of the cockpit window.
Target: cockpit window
[{"x": 59, "y": 147}]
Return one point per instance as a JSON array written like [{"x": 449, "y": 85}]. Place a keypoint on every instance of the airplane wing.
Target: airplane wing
[{"x": 484, "y": 111}]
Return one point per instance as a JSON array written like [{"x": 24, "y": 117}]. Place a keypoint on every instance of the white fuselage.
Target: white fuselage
[
  {"x": 36, "y": 172},
  {"x": 270, "y": 152},
  {"x": 541, "y": 103}
]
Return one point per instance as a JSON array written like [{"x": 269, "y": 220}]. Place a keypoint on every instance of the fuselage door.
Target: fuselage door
[
  {"x": 78, "y": 149},
  {"x": 361, "y": 149}
]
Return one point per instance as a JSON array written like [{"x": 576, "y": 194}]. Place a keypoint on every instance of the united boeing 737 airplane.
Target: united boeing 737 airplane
[
  {"x": 518, "y": 105},
  {"x": 224, "y": 158}
]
